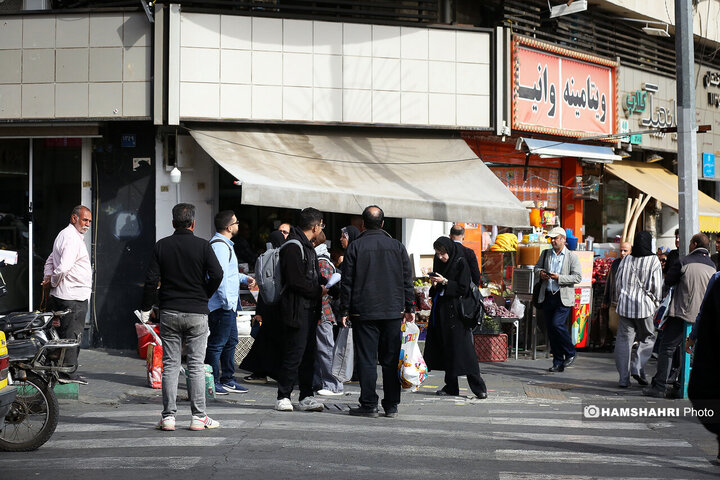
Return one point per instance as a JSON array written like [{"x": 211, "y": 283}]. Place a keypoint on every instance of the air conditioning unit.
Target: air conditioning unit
[{"x": 567, "y": 8}]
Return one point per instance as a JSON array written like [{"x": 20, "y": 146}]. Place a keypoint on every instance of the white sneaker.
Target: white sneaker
[
  {"x": 309, "y": 404},
  {"x": 284, "y": 405},
  {"x": 167, "y": 424},
  {"x": 201, "y": 423},
  {"x": 328, "y": 393}
]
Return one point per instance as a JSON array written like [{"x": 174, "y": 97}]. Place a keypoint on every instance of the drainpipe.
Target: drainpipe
[{"x": 446, "y": 12}]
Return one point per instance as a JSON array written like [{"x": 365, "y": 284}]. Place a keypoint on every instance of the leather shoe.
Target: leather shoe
[
  {"x": 371, "y": 412},
  {"x": 391, "y": 412},
  {"x": 641, "y": 380},
  {"x": 623, "y": 385},
  {"x": 653, "y": 392},
  {"x": 556, "y": 368},
  {"x": 569, "y": 361},
  {"x": 482, "y": 396},
  {"x": 444, "y": 393}
]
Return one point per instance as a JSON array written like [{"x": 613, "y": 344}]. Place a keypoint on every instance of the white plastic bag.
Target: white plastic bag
[
  {"x": 343, "y": 356},
  {"x": 411, "y": 367},
  {"x": 517, "y": 308}
]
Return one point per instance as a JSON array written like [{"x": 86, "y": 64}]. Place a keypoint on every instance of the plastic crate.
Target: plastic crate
[
  {"x": 243, "y": 348},
  {"x": 491, "y": 348}
]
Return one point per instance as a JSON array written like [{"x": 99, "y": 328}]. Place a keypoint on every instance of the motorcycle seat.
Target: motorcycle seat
[{"x": 17, "y": 321}]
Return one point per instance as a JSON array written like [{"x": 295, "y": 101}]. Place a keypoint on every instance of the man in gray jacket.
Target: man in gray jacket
[
  {"x": 690, "y": 277},
  {"x": 559, "y": 270}
]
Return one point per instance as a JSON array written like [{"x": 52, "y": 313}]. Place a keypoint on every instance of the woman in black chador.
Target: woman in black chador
[{"x": 449, "y": 344}]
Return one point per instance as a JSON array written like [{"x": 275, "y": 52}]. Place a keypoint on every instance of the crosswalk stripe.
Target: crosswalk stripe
[
  {"x": 156, "y": 413},
  {"x": 102, "y": 463},
  {"x": 617, "y": 459},
  {"x": 105, "y": 427},
  {"x": 154, "y": 442},
  {"x": 533, "y": 422},
  {"x": 536, "y": 476}
]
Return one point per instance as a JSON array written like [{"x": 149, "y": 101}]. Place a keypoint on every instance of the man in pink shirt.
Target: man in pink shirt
[{"x": 68, "y": 274}]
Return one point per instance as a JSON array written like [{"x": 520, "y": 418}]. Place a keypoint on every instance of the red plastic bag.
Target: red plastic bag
[
  {"x": 154, "y": 365},
  {"x": 145, "y": 337}
]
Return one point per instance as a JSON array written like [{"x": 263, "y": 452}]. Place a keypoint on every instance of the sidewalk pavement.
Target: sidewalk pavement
[{"x": 119, "y": 376}]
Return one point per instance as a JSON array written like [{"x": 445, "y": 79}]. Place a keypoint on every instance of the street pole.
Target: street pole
[
  {"x": 687, "y": 144},
  {"x": 686, "y": 131}
]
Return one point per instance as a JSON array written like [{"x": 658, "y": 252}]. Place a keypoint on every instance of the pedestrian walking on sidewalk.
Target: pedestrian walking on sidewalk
[
  {"x": 378, "y": 296},
  {"x": 690, "y": 277},
  {"x": 638, "y": 290},
  {"x": 300, "y": 311},
  {"x": 559, "y": 271},
  {"x": 449, "y": 345},
  {"x": 223, "y": 305},
  {"x": 324, "y": 382},
  {"x": 188, "y": 273},
  {"x": 68, "y": 275}
]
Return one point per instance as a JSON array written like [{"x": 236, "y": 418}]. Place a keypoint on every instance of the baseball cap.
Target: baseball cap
[{"x": 556, "y": 231}]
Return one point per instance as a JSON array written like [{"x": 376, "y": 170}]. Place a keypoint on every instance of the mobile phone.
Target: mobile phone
[{"x": 432, "y": 274}]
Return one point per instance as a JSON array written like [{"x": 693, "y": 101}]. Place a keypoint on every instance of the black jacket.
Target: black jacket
[
  {"x": 302, "y": 281},
  {"x": 377, "y": 278},
  {"x": 188, "y": 272},
  {"x": 472, "y": 262}
]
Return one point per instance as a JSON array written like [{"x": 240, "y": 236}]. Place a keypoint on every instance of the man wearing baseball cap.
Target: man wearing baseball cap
[{"x": 559, "y": 271}]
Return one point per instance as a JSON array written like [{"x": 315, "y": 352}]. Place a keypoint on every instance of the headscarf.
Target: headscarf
[
  {"x": 352, "y": 233},
  {"x": 276, "y": 238},
  {"x": 451, "y": 247},
  {"x": 642, "y": 246}
]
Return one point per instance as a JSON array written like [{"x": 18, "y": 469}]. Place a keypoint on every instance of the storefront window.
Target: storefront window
[
  {"x": 615, "y": 195},
  {"x": 541, "y": 184}
]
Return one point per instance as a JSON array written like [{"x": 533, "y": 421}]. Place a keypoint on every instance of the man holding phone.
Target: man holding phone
[{"x": 559, "y": 271}]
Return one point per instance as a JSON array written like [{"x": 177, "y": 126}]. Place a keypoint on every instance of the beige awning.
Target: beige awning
[
  {"x": 424, "y": 175},
  {"x": 662, "y": 184}
]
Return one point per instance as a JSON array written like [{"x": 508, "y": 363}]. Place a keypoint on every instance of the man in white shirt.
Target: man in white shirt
[{"x": 68, "y": 274}]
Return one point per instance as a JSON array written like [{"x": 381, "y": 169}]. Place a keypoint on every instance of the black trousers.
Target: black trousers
[
  {"x": 672, "y": 336},
  {"x": 72, "y": 324},
  {"x": 378, "y": 340},
  {"x": 298, "y": 364}
]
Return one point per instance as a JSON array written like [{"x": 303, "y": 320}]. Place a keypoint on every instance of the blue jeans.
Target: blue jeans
[
  {"x": 221, "y": 344},
  {"x": 556, "y": 315}
]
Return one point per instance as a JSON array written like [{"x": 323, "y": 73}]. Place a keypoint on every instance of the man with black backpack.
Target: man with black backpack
[{"x": 301, "y": 294}]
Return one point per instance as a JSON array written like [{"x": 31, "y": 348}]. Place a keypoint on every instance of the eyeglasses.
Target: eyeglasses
[
  {"x": 234, "y": 223},
  {"x": 322, "y": 226}
]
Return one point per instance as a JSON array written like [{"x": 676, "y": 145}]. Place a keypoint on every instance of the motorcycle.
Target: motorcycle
[{"x": 37, "y": 355}]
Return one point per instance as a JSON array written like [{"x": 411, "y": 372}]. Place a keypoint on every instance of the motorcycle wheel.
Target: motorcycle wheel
[{"x": 32, "y": 418}]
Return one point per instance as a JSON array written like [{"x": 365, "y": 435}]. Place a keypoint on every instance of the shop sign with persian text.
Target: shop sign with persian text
[{"x": 558, "y": 91}]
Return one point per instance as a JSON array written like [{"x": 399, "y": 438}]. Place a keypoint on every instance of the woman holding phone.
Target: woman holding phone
[{"x": 449, "y": 344}]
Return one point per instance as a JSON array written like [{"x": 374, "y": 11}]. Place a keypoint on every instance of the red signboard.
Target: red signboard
[{"x": 561, "y": 92}]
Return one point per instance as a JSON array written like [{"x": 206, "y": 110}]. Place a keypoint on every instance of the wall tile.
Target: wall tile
[
  {"x": 201, "y": 100},
  {"x": 71, "y": 99},
  {"x": 267, "y": 68},
  {"x": 105, "y": 100},
  {"x": 137, "y": 64},
  {"x": 328, "y": 38},
  {"x": 38, "y": 66},
  {"x": 357, "y": 39},
  {"x": 297, "y": 103},
  {"x": 473, "y": 110},
  {"x": 441, "y": 45},
  {"x": 442, "y": 77},
  {"x": 473, "y": 47},
  {"x": 357, "y": 106},
  {"x": 386, "y": 74},
  {"x": 414, "y": 108},
  {"x": 11, "y": 33},
  {"x": 386, "y": 41},
  {"x": 441, "y": 109},
  {"x": 267, "y": 34},
  {"x": 38, "y": 100},
  {"x": 137, "y": 30},
  {"x": 38, "y": 32},
  {"x": 11, "y": 61},
  {"x": 298, "y": 36},
  {"x": 414, "y": 43},
  {"x": 414, "y": 75},
  {"x": 267, "y": 103},
  {"x": 386, "y": 107},
  {"x": 199, "y": 30},
  {"x": 236, "y": 32},
  {"x": 106, "y": 30},
  {"x": 235, "y": 66},
  {"x": 73, "y": 32},
  {"x": 473, "y": 79},
  {"x": 136, "y": 99},
  {"x": 10, "y": 101},
  {"x": 106, "y": 64},
  {"x": 357, "y": 72},
  {"x": 328, "y": 105},
  {"x": 235, "y": 101},
  {"x": 199, "y": 65},
  {"x": 327, "y": 71},
  {"x": 296, "y": 71},
  {"x": 71, "y": 65}
]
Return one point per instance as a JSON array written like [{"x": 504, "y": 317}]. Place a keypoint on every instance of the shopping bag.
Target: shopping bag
[
  {"x": 343, "y": 355},
  {"x": 662, "y": 311},
  {"x": 154, "y": 365},
  {"x": 145, "y": 337},
  {"x": 411, "y": 367}
]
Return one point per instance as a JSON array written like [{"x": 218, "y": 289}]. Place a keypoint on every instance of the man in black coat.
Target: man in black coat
[
  {"x": 300, "y": 311},
  {"x": 457, "y": 234},
  {"x": 378, "y": 296}
]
